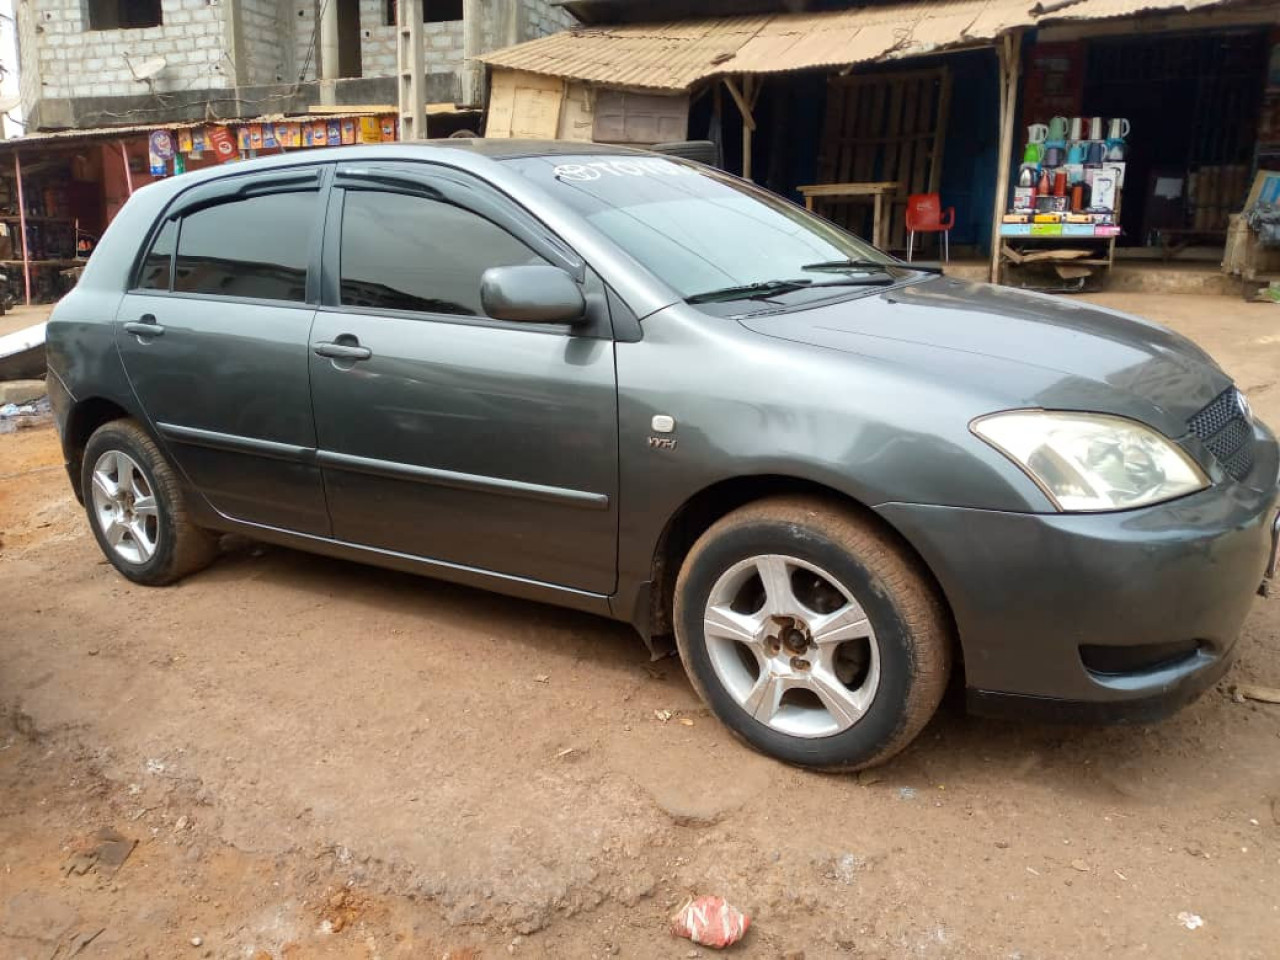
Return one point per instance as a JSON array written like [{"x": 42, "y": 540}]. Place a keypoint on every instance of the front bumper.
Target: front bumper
[{"x": 1029, "y": 591}]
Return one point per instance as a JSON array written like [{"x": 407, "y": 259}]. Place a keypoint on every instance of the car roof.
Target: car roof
[{"x": 113, "y": 258}]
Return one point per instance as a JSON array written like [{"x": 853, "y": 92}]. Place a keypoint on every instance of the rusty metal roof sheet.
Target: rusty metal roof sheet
[
  {"x": 665, "y": 55},
  {"x": 1104, "y": 9},
  {"x": 676, "y": 55}
]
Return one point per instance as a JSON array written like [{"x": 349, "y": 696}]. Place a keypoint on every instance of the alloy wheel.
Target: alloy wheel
[
  {"x": 792, "y": 645},
  {"x": 125, "y": 506}
]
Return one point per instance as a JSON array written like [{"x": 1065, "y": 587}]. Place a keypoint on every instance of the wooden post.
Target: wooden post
[
  {"x": 745, "y": 99},
  {"x": 128, "y": 174},
  {"x": 22, "y": 225},
  {"x": 1010, "y": 54}
]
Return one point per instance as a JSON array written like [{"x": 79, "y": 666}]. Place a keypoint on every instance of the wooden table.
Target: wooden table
[{"x": 844, "y": 191}]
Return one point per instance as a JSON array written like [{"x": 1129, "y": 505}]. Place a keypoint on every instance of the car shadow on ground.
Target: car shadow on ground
[
  {"x": 1097, "y": 764},
  {"x": 557, "y": 630}
]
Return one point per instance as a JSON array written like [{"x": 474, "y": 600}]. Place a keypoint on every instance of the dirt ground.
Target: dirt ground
[{"x": 318, "y": 759}]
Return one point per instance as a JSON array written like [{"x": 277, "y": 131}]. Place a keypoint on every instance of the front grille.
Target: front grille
[{"x": 1226, "y": 432}]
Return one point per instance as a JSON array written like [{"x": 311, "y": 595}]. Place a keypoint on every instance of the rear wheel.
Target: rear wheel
[
  {"x": 811, "y": 633},
  {"x": 136, "y": 507}
]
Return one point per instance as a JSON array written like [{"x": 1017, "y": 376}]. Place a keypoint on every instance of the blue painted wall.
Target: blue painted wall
[{"x": 788, "y": 136}]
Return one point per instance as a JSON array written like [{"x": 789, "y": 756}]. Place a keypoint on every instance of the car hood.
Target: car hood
[{"x": 1029, "y": 349}]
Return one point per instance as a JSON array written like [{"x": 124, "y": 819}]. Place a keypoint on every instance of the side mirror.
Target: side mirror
[{"x": 531, "y": 294}]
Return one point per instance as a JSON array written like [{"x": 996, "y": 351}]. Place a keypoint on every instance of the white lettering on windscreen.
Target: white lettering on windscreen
[{"x": 642, "y": 167}]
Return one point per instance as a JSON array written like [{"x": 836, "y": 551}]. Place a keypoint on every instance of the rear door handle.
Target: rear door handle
[
  {"x": 342, "y": 351},
  {"x": 145, "y": 326}
]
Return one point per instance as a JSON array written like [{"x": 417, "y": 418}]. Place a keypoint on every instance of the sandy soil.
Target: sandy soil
[{"x": 318, "y": 759}]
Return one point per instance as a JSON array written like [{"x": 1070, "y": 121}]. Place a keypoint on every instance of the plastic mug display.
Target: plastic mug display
[
  {"x": 1037, "y": 133},
  {"x": 1096, "y": 152},
  {"x": 1077, "y": 128},
  {"x": 1119, "y": 129},
  {"x": 1053, "y": 156},
  {"x": 1077, "y": 153},
  {"x": 1059, "y": 127},
  {"x": 1095, "y": 128},
  {"x": 1034, "y": 153}
]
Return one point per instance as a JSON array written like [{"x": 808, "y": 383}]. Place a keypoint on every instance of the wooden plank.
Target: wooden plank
[
  {"x": 862, "y": 158},
  {"x": 906, "y": 154},
  {"x": 928, "y": 109},
  {"x": 874, "y": 144},
  {"x": 844, "y": 161},
  {"x": 940, "y": 132},
  {"x": 831, "y": 128},
  {"x": 893, "y": 130}
]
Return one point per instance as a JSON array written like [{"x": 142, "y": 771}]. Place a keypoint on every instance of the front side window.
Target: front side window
[
  {"x": 257, "y": 247},
  {"x": 695, "y": 228},
  {"x": 157, "y": 267},
  {"x": 401, "y": 252}
]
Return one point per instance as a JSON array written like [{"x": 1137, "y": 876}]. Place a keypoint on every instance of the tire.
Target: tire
[
  {"x": 176, "y": 546},
  {"x": 868, "y": 619}
]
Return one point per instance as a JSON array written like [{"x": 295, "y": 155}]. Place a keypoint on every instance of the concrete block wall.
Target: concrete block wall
[
  {"x": 71, "y": 60},
  {"x": 304, "y": 16},
  {"x": 268, "y": 41},
  {"x": 542, "y": 18},
  {"x": 378, "y": 53}
]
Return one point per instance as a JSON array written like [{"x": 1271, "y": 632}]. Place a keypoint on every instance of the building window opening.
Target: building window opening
[
  {"x": 123, "y": 14},
  {"x": 433, "y": 11}
]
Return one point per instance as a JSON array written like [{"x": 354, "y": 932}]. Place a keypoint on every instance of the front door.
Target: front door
[
  {"x": 213, "y": 335},
  {"x": 442, "y": 433}
]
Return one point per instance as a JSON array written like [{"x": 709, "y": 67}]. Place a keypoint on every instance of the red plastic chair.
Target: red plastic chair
[{"x": 925, "y": 215}]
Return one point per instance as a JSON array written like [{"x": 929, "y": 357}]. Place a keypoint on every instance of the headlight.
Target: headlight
[{"x": 1090, "y": 461}]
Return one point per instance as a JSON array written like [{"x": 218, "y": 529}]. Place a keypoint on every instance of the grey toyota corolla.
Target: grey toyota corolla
[{"x": 639, "y": 387}]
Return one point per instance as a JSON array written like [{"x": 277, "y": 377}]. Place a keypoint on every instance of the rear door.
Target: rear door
[
  {"x": 213, "y": 335},
  {"x": 443, "y": 433}
]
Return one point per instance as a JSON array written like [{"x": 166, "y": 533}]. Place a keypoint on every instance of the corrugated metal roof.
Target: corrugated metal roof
[
  {"x": 671, "y": 56},
  {"x": 1104, "y": 9},
  {"x": 678, "y": 54}
]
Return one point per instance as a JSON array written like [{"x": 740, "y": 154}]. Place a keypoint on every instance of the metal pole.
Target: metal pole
[
  {"x": 128, "y": 176},
  {"x": 748, "y": 124},
  {"x": 22, "y": 225},
  {"x": 412, "y": 64}
]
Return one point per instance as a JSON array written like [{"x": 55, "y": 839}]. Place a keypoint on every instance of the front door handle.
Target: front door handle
[
  {"x": 145, "y": 326},
  {"x": 342, "y": 351}
]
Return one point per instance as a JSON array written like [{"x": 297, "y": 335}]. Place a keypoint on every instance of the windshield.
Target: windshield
[{"x": 701, "y": 232}]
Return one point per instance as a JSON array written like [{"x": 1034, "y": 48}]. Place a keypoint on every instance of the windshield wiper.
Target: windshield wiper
[
  {"x": 873, "y": 264},
  {"x": 746, "y": 291},
  {"x": 769, "y": 288}
]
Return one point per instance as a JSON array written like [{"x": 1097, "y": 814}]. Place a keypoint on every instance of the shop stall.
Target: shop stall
[
  {"x": 1065, "y": 209},
  {"x": 58, "y": 191}
]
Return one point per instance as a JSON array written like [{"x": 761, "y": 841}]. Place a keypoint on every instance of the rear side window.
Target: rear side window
[
  {"x": 157, "y": 268},
  {"x": 257, "y": 247},
  {"x": 401, "y": 252}
]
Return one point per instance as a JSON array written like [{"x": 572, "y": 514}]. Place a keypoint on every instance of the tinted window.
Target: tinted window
[
  {"x": 694, "y": 227},
  {"x": 249, "y": 248},
  {"x": 158, "y": 265},
  {"x": 402, "y": 252}
]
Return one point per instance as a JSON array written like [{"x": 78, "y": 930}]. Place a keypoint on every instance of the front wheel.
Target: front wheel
[
  {"x": 136, "y": 507},
  {"x": 812, "y": 633}
]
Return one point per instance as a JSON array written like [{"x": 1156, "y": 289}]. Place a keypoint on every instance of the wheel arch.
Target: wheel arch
[
  {"x": 84, "y": 418},
  {"x": 696, "y": 515}
]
